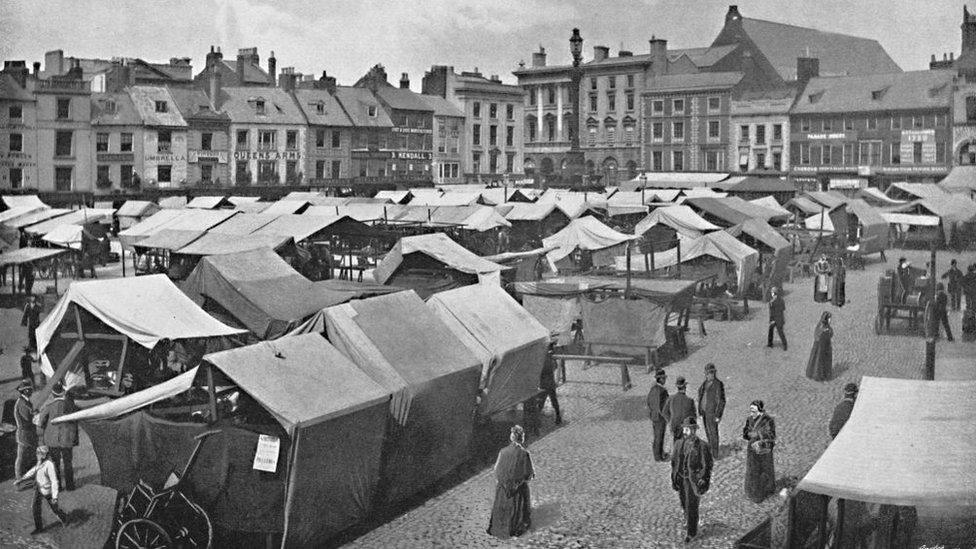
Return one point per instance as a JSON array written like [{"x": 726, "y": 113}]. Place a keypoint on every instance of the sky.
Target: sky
[{"x": 347, "y": 37}]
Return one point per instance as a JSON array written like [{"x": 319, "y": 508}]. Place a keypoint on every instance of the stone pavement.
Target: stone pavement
[{"x": 596, "y": 484}]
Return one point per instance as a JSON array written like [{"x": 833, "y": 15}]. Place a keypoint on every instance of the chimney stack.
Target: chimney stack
[
  {"x": 246, "y": 56},
  {"x": 807, "y": 68},
  {"x": 539, "y": 58},
  {"x": 600, "y": 53},
  {"x": 272, "y": 67},
  {"x": 733, "y": 15},
  {"x": 404, "y": 81},
  {"x": 659, "y": 56},
  {"x": 18, "y": 70},
  {"x": 215, "y": 88},
  {"x": 37, "y": 69},
  {"x": 328, "y": 82},
  {"x": 968, "y": 30}
]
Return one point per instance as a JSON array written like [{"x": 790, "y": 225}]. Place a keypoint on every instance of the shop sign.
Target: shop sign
[
  {"x": 115, "y": 157},
  {"x": 267, "y": 155},
  {"x": 411, "y": 130},
  {"x": 165, "y": 158},
  {"x": 411, "y": 155},
  {"x": 916, "y": 169},
  {"x": 16, "y": 160},
  {"x": 208, "y": 156},
  {"x": 820, "y": 136}
]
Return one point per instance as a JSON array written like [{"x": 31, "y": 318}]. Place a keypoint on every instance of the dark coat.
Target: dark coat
[
  {"x": 678, "y": 407},
  {"x": 59, "y": 435},
  {"x": 32, "y": 316},
  {"x": 24, "y": 416},
  {"x": 841, "y": 414},
  {"x": 715, "y": 401},
  {"x": 954, "y": 276},
  {"x": 691, "y": 459},
  {"x": 820, "y": 366},
  {"x": 547, "y": 377},
  {"x": 760, "y": 479},
  {"x": 511, "y": 510},
  {"x": 657, "y": 398},
  {"x": 777, "y": 310}
]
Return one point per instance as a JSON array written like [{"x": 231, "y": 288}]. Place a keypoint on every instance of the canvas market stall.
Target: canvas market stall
[
  {"x": 956, "y": 213},
  {"x": 681, "y": 220},
  {"x": 402, "y": 345},
  {"x": 134, "y": 211},
  {"x": 27, "y": 258},
  {"x": 101, "y": 329},
  {"x": 432, "y": 263},
  {"x": 774, "y": 254},
  {"x": 585, "y": 234},
  {"x": 510, "y": 342}
]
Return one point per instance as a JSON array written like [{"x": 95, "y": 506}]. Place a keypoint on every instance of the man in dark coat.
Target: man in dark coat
[
  {"x": 777, "y": 318},
  {"x": 843, "y": 410},
  {"x": 940, "y": 313},
  {"x": 905, "y": 277},
  {"x": 954, "y": 284},
  {"x": 547, "y": 383},
  {"x": 61, "y": 438},
  {"x": 678, "y": 408},
  {"x": 26, "y": 431},
  {"x": 968, "y": 286},
  {"x": 691, "y": 474},
  {"x": 511, "y": 511},
  {"x": 657, "y": 398},
  {"x": 31, "y": 319},
  {"x": 711, "y": 405},
  {"x": 27, "y": 364}
]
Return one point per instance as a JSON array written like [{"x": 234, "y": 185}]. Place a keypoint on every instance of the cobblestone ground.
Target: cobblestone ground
[{"x": 596, "y": 484}]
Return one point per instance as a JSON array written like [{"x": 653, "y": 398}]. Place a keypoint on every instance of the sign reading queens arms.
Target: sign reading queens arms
[{"x": 267, "y": 155}]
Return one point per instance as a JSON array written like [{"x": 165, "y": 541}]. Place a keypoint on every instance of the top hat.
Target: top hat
[{"x": 681, "y": 383}]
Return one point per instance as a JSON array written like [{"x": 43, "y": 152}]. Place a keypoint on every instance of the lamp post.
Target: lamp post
[
  {"x": 575, "y": 164},
  {"x": 643, "y": 183}
]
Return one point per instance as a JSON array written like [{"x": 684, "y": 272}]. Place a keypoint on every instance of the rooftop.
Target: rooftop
[
  {"x": 877, "y": 92},
  {"x": 156, "y": 106},
  {"x": 441, "y": 106},
  {"x": 321, "y": 107},
  {"x": 695, "y": 81},
  {"x": 243, "y": 106}
]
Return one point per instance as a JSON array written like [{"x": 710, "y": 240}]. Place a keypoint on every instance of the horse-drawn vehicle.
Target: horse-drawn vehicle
[{"x": 911, "y": 301}]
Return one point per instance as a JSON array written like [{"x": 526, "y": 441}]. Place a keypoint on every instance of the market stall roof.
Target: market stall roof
[
  {"x": 874, "y": 196},
  {"x": 121, "y": 303},
  {"x": 755, "y": 184},
  {"x": 680, "y": 218},
  {"x": 914, "y": 190},
  {"x": 168, "y": 239},
  {"x": 177, "y": 202},
  {"x": 220, "y": 243},
  {"x": 865, "y": 213},
  {"x": 286, "y": 206},
  {"x": 76, "y": 217},
  {"x": 960, "y": 178},
  {"x": 630, "y": 202},
  {"x": 130, "y": 403},
  {"x": 396, "y": 197},
  {"x": 199, "y": 220},
  {"x": 658, "y": 290},
  {"x": 530, "y": 211},
  {"x": 673, "y": 180},
  {"x": 313, "y": 381},
  {"x": 242, "y": 224},
  {"x": 148, "y": 226},
  {"x": 761, "y": 231},
  {"x": 828, "y": 199},
  {"x": 804, "y": 204},
  {"x": 262, "y": 291},
  {"x": 484, "y": 219},
  {"x": 23, "y": 200},
  {"x": 720, "y": 209},
  {"x": 303, "y": 226},
  {"x": 911, "y": 219},
  {"x": 69, "y": 236},
  {"x": 17, "y": 211},
  {"x": 437, "y": 246},
  {"x": 137, "y": 208},
  {"x": 718, "y": 244},
  {"x": 27, "y": 255},
  {"x": 238, "y": 200},
  {"x": 819, "y": 222},
  {"x": 949, "y": 207},
  {"x": 251, "y": 207},
  {"x": 453, "y": 198},
  {"x": 871, "y": 449},
  {"x": 208, "y": 202},
  {"x": 754, "y": 211},
  {"x": 359, "y": 212},
  {"x": 36, "y": 217},
  {"x": 584, "y": 233},
  {"x": 772, "y": 204}
]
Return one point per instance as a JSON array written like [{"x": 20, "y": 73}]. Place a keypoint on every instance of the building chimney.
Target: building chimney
[
  {"x": 404, "y": 81},
  {"x": 75, "y": 72},
  {"x": 240, "y": 70},
  {"x": 37, "y": 69},
  {"x": 495, "y": 78},
  {"x": 18, "y": 70},
  {"x": 659, "y": 56},
  {"x": 809, "y": 67},
  {"x": 968, "y": 30},
  {"x": 54, "y": 63},
  {"x": 272, "y": 68},
  {"x": 626, "y": 53},
  {"x": 328, "y": 82},
  {"x": 246, "y": 56},
  {"x": 600, "y": 53},
  {"x": 733, "y": 16},
  {"x": 539, "y": 58},
  {"x": 215, "y": 89}
]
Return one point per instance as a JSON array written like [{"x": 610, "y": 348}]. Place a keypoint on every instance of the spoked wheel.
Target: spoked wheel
[{"x": 142, "y": 534}]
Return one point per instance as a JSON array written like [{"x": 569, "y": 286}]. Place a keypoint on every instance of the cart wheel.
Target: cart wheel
[
  {"x": 203, "y": 537},
  {"x": 878, "y": 323},
  {"x": 142, "y": 534}
]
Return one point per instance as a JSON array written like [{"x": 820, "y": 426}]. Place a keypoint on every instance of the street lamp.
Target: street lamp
[
  {"x": 643, "y": 183},
  {"x": 574, "y": 158}
]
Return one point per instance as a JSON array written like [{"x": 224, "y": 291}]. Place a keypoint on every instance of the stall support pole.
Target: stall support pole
[
  {"x": 839, "y": 534},
  {"x": 212, "y": 394},
  {"x": 678, "y": 264},
  {"x": 627, "y": 290},
  {"x": 822, "y": 524}
]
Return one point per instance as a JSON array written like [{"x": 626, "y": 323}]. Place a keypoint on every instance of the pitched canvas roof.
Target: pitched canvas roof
[
  {"x": 301, "y": 227},
  {"x": 207, "y": 202},
  {"x": 137, "y": 208},
  {"x": 437, "y": 246},
  {"x": 961, "y": 177},
  {"x": 243, "y": 223},
  {"x": 222, "y": 243},
  {"x": 584, "y": 233},
  {"x": 680, "y": 218},
  {"x": 35, "y": 217},
  {"x": 914, "y": 90}
]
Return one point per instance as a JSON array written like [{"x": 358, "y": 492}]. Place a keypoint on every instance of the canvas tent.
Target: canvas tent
[
  {"x": 208, "y": 202},
  {"x": 17, "y": 211},
  {"x": 870, "y": 229},
  {"x": 431, "y": 263},
  {"x": 134, "y": 211},
  {"x": 263, "y": 292},
  {"x": 770, "y": 203},
  {"x": 23, "y": 200},
  {"x": 36, "y": 216},
  {"x": 803, "y": 205},
  {"x": 777, "y": 259},
  {"x": 175, "y": 202},
  {"x": 402, "y": 345},
  {"x": 954, "y": 211},
  {"x": 335, "y": 417},
  {"x": 511, "y": 344},
  {"x": 960, "y": 179},
  {"x": 66, "y": 236},
  {"x": 76, "y": 217},
  {"x": 585, "y": 233},
  {"x": 143, "y": 309},
  {"x": 286, "y": 206},
  {"x": 303, "y": 227},
  {"x": 681, "y": 218},
  {"x": 913, "y": 191},
  {"x": 220, "y": 243},
  {"x": 242, "y": 224}
]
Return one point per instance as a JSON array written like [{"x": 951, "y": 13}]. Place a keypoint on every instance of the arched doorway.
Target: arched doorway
[
  {"x": 631, "y": 169},
  {"x": 546, "y": 166},
  {"x": 610, "y": 171}
]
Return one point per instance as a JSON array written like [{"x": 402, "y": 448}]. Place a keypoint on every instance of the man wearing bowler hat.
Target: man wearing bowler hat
[
  {"x": 657, "y": 398},
  {"x": 679, "y": 407},
  {"x": 711, "y": 405},
  {"x": 691, "y": 474}
]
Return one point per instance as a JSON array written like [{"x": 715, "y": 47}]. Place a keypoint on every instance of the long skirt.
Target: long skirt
[
  {"x": 511, "y": 512},
  {"x": 821, "y": 288},
  {"x": 820, "y": 366},
  {"x": 760, "y": 476}
]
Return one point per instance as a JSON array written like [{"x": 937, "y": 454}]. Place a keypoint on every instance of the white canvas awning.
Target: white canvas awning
[{"x": 131, "y": 403}]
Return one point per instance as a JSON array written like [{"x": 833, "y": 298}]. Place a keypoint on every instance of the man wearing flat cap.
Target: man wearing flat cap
[
  {"x": 711, "y": 406},
  {"x": 657, "y": 397},
  {"x": 843, "y": 410},
  {"x": 26, "y": 431},
  {"x": 678, "y": 408},
  {"x": 691, "y": 474}
]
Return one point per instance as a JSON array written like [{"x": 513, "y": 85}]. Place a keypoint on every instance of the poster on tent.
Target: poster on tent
[{"x": 266, "y": 455}]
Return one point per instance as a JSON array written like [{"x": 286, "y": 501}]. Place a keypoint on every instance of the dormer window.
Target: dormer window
[
  {"x": 877, "y": 95},
  {"x": 371, "y": 111},
  {"x": 320, "y": 108},
  {"x": 259, "y": 106},
  {"x": 161, "y": 106},
  {"x": 815, "y": 97},
  {"x": 110, "y": 107}
]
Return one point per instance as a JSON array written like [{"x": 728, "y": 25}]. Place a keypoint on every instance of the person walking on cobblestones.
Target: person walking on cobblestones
[
  {"x": 547, "y": 383},
  {"x": 691, "y": 474},
  {"x": 711, "y": 405},
  {"x": 820, "y": 366},
  {"x": 678, "y": 408},
  {"x": 968, "y": 286},
  {"x": 940, "y": 313},
  {"x": 26, "y": 432},
  {"x": 760, "y": 434},
  {"x": 842, "y": 412},
  {"x": 777, "y": 318},
  {"x": 31, "y": 319},
  {"x": 60, "y": 437},
  {"x": 954, "y": 284},
  {"x": 45, "y": 487},
  {"x": 657, "y": 398},
  {"x": 27, "y": 364},
  {"x": 511, "y": 510}
]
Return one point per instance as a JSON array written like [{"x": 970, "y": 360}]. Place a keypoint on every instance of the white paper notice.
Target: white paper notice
[{"x": 266, "y": 456}]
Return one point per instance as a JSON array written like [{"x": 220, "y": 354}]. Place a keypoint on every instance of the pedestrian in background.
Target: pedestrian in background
[
  {"x": 27, "y": 364},
  {"x": 678, "y": 408},
  {"x": 842, "y": 412},
  {"x": 61, "y": 438},
  {"x": 838, "y": 287},
  {"x": 940, "y": 313},
  {"x": 657, "y": 398},
  {"x": 511, "y": 512},
  {"x": 820, "y": 366},
  {"x": 711, "y": 405},
  {"x": 760, "y": 434},
  {"x": 32, "y": 319},
  {"x": 821, "y": 280},
  {"x": 691, "y": 474},
  {"x": 45, "y": 487},
  {"x": 777, "y": 318},
  {"x": 968, "y": 286},
  {"x": 547, "y": 383},
  {"x": 26, "y": 431},
  {"x": 954, "y": 284}
]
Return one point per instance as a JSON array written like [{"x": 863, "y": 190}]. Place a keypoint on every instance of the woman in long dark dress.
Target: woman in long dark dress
[
  {"x": 838, "y": 290},
  {"x": 820, "y": 367},
  {"x": 511, "y": 511},
  {"x": 760, "y": 433}
]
